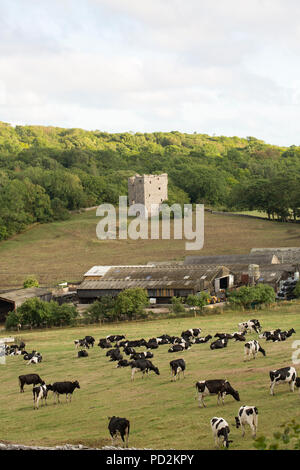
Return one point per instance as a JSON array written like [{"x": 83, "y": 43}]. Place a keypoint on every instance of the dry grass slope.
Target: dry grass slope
[{"x": 65, "y": 250}]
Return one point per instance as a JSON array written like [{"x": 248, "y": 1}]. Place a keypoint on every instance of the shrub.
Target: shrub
[
  {"x": 177, "y": 305},
  {"x": 30, "y": 282},
  {"x": 131, "y": 302}
]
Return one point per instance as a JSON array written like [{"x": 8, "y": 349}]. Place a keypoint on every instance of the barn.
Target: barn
[
  {"x": 13, "y": 299},
  {"x": 161, "y": 282}
]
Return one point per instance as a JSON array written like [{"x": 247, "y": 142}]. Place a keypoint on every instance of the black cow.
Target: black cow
[
  {"x": 82, "y": 353},
  {"x": 40, "y": 392},
  {"x": 177, "y": 366},
  {"x": 128, "y": 351},
  {"x": 218, "y": 387},
  {"x": 123, "y": 363},
  {"x": 144, "y": 366},
  {"x": 90, "y": 340},
  {"x": 286, "y": 374},
  {"x": 64, "y": 388},
  {"x": 119, "y": 426},
  {"x": 224, "y": 336},
  {"x": 104, "y": 344},
  {"x": 115, "y": 355},
  {"x": 219, "y": 344},
  {"x": 29, "y": 379}
]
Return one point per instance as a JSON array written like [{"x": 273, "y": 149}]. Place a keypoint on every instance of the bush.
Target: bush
[
  {"x": 246, "y": 296},
  {"x": 102, "y": 309},
  {"x": 297, "y": 289},
  {"x": 30, "y": 282},
  {"x": 177, "y": 305},
  {"x": 12, "y": 321}
]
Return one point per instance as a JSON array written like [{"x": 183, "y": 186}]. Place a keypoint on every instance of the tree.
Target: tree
[
  {"x": 177, "y": 305},
  {"x": 131, "y": 302},
  {"x": 297, "y": 289},
  {"x": 245, "y": 296}
]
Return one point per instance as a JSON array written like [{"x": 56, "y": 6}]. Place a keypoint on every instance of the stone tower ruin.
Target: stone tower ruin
[{"x": 148, "y": 190}]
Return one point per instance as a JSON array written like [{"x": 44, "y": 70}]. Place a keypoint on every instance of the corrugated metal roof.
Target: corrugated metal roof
[
  {"x": 155, "y": 277},
  {"x": 264, "y": 258},
  {"x": 21, "y": 295},
  {"x": 101, "y": 270}
]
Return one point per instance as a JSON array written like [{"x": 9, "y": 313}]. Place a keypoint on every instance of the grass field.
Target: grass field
[
  {"x": 66, "y": 250},
  {"x": 163, "y": 414}
]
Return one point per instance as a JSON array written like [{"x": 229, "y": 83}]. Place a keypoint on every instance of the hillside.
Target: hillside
[
  {"x": 64, "y": 250},
  {"x": 48, "y": 171}
]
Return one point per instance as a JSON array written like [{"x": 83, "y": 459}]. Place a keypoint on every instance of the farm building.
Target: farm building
[
  {"x": 226, "y": 260},
  {"x": 161, "y": 282},
  {"x": 265, "y": 274},
  {"x": 11, "y": 300},
  {"x": 285, "y": 255}
]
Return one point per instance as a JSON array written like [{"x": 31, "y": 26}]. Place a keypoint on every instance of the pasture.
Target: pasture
[
  {"x": 66, "y": 250},
  {"x": 163, "y": 414}
]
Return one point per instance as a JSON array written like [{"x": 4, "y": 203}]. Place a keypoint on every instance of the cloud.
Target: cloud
[{"x": 228, "y": 68}]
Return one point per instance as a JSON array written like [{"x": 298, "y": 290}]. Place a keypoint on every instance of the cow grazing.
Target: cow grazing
[
  {"x": 218, "y": 387},
  {"x": 115, "y": 338},
  {"x": 286, "y": 374},
  {"x": 82, "y": 353},
  {"x": 64, "y": 388},
  {"x": 250, "y": 325},
  {"x": 247, "y": 415},
  {"x": 128, "y": 351},
  {"x": 177, "y": 366},
  {"x": 104, "y": 344},
  {"x": 29, "y": 379},
  {"x": 142, "y": 355},
  {"x": 123, "y": 363},
  {"x": 220, "y": 431},
  {"x": 90, "y": 340},
  {"x": 82, "y": 343},
  {"x": 251, "y": 348},
  {"x": 219, "y": 344},
  {"x": 144, "y": 366},
  {"x": 40, "y": 392},
  {"x": 119, "y": 426}
]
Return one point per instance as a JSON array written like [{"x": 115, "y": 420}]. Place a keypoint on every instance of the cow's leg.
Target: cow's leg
[
  {"x": 242, "y": 429},
  {"x": 272, "y": 388},
  {"x": 292, "y": 385}
]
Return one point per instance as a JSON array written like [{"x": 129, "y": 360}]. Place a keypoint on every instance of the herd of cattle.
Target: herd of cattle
[{"x": 140, "y": 362}]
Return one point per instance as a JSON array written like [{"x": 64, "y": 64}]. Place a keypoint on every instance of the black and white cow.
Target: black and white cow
[
  {"x": 247, "y": 415},
  {"x": 220, "y": 387},
  {"x": 119, "y": 426},
  {"x": 238, "y": 336},
  {"x": 64, "y": 388},
  {"x": 144, "y": 366},
  {"x": 219, "y": 344},
  {"x": 220, "y": 429},
  {"x": 115, "y": 338},
  {"x": 191, "y": 333},
  {"x": 286, "y": 374},
  {"x": 177, "y": 366},
  {"x": 40, "y": 392},
  {"x": 90, "y": 340},
  {"x": 29, "y": 379},
  {"x": 179, "y": 347},
  {"x": 82, "y": 343},
  {"x": 268, "y": 334},
  {"x": 128, "y": 351},
  {"x": 141, "y": 355},
  {"x": 82, "y": 353},
  {"x": 203, "y": 339},
  {"x": 251, "y": 348},
  {"x": 250, "y": 325}
]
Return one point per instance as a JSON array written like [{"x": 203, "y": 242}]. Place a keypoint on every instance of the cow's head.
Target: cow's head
[{"x": 76, "y": 383}]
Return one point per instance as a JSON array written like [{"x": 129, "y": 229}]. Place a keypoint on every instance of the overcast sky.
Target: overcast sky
[{"x": 224, "y": 67}]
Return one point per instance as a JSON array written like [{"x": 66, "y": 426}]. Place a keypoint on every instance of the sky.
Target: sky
[{"x": 223, "y": 67}]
